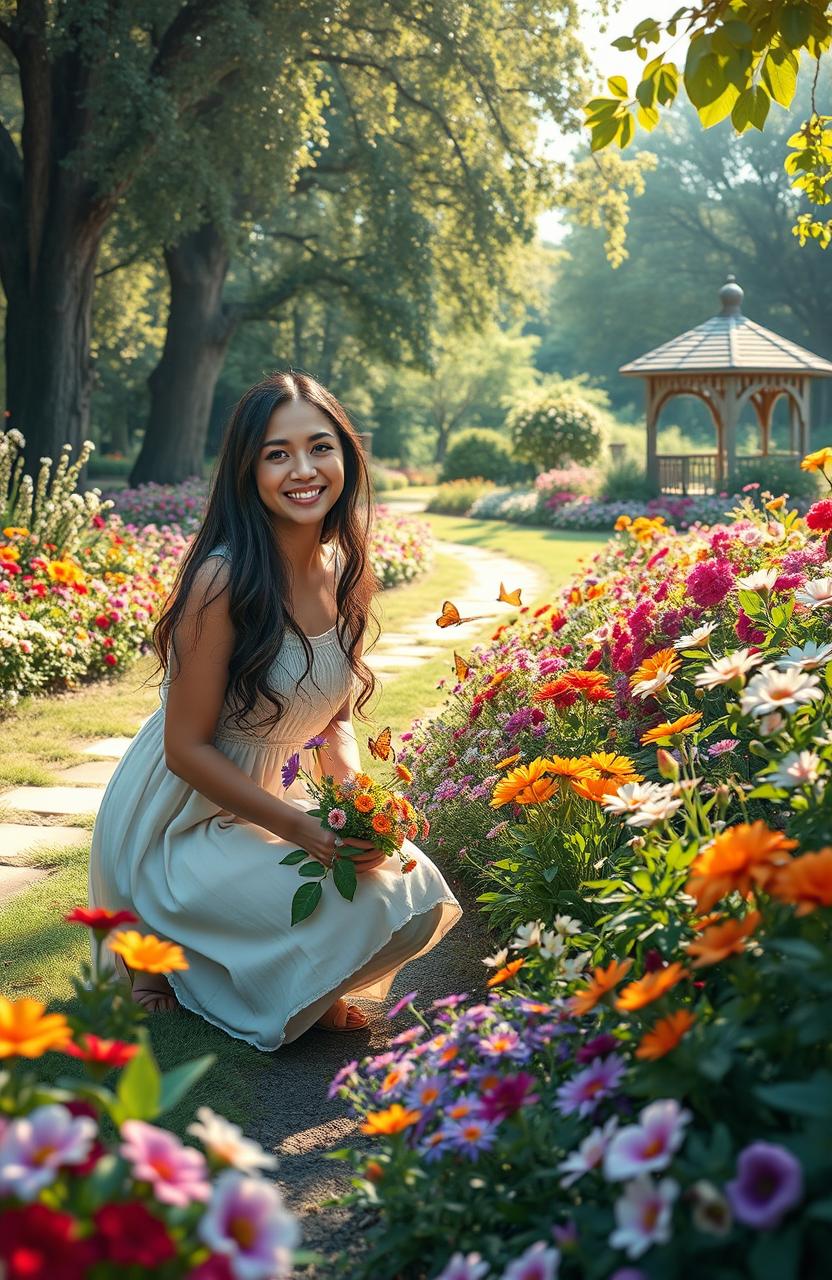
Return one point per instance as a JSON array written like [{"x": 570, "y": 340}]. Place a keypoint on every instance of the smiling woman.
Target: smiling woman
[{"x": 261, "y": 646}]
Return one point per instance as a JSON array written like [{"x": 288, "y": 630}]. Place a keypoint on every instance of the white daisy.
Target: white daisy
[
  {"x": 567, "y": 925},
  {"x": 697, "y": 639},
  {"x": 659, "y": 681},
  {"x": 631, "y": 796},
  {"x": 808, "y": 658},
  {"x": 772, "y": 690},
  {"x": 797, "y": 769},
  {"x": 574, "y": 966},
  {"x": 763, "y": 581},
  {"x": 552, "y": 945},
  {"x": 528, "y": 935},
  {"x": 498, "y": 960},
  {"x": 733, "y": 666},
  {"x": 225, "y": 1142},
  {"x": 815, "y": 594},
  {"x": 656, "y": 810}
]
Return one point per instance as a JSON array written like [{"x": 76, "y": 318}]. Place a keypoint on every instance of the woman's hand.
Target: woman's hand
[{"x": 319, "y": 843}]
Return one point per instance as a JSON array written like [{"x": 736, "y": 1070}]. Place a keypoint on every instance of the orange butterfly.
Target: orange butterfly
[
  {"x": 462, "y": 667},
  {"x": 509, "y": 597},
  {"x": 381, "y": 747},
  {"x": 449, "y": 617}
]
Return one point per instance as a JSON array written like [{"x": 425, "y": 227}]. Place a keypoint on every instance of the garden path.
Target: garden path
[{"x": 300, "y": 1125}]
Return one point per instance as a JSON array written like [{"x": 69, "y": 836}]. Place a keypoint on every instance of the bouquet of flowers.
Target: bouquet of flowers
[{"x": 359, "y": 808}]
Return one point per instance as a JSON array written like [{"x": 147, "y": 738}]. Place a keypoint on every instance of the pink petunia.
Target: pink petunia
[
  {"x": 648, "y": 1146},
  {"x": 177, "y": 1174}
]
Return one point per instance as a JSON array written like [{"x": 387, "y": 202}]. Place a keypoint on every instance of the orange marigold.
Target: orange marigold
[
  {"x": 596, "y": 789},
  {"x": 667, "y": 728},
  {"x": 665, "y": 1035},
  {"x": 538, "y": 792},
  {"x": 748, "y": 853},
  {"x": 404, "y": 773},
  {"x": 608, "y": 765},
  {"x": 602, "y": 981},
  {"x": 508, "y": 971},
  {"x": 664, "y": 660},
  {"x": 805, "y": 881},
  {"x": 719, "y": 941},
  {"x": 364, "y": 780},
  {"x": 382, "y": 824},
  {"x": 393, "y": 1120},
  {"x": 147, "y": 953},
  {"x": 651, "y": 987},
  {"x": 28, "y": 1031},
  {"x": 571, "y": 767},
  {"x": 364, "y": 803},
  {"x": 524, "y": 777},
  {"x": 503, "y": 764}
]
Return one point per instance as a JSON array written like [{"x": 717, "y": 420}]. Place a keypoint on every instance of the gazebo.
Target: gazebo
[{"x": 727, "y": 362}]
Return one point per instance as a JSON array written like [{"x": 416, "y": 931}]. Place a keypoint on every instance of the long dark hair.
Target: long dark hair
[{"x": 237, "y": 518}]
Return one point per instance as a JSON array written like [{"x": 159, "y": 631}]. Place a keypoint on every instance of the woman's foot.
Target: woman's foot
[
  {"x": 343, "y": 1017},
  {"x": 153, "y": 992}
]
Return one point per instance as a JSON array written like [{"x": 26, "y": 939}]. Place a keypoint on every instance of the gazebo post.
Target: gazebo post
[
  {"x": 652, "y": 435},
  {"x": 728, "y": 453},
  {"x": 795, "y": 425}
]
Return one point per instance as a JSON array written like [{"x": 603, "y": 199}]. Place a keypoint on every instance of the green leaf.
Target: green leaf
[
  {"x": 750, "y": 109},
  {"x": 313, "y": 870},
  {"x": 293, "y": 858},
  {"x": 617, "y": 86},
  {"x": 646, "y": 91},
  {"x": 139, "y": 1088},
  {"x": 304, "y": 902},
  {"x": 668, "y": 84},
  {"x": 549, "y": 874},
  {"x": 345, "y": 877},
  {"x": 775, "y": 1255},
  {"x": 648, "y": 118},
  {"x": 603, "y": 134},
  {"x": 779, "y": 75},
  {"x": 795, "y": 24},
  {"x": 176, "y": 1083},
  {"x": 721, "y": 107},
  {"x": 811, "y": 1098}
]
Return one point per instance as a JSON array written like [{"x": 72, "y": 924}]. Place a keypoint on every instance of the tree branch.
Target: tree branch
[{"x": 8, "y": 35}]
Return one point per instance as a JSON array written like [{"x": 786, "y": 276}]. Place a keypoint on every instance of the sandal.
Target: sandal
[
  {"x": 338, "y": 1018},
  {"x": 151, "y": 999}
]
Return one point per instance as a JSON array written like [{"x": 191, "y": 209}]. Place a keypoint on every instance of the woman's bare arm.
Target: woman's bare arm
[{"x": 194, "y": 702}]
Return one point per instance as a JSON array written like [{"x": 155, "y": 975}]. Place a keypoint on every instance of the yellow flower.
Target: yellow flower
[
  {"x": 507, "y": 760},
  {"x": 64, "y": 571},
  {"x": 8, "y": 552},
  {"x": 147, "y": 953},
  {"x": 606, "y": 764},
  {"x": 571, "y": 767},
  {"x": 27, "y": 1031},
  {"x": 404, "y": 773},
  {"x": 15, "y": 531},
  {"x": 818, "y": 460},
  {"x": 623, "y": 522},
  {"x": 668, "y": 728},
  {"x": 526, "y": 780}
]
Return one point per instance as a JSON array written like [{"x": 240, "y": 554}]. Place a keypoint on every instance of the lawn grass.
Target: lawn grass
[{"x": 40, "y": 951}]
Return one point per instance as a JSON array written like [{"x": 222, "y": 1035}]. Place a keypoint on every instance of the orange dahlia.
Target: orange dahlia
[
  {"x": 748, "y": 853},
  {"x": 651, "y": 987},
  {"x": 665, "y": 1035},
  {"x": 805, "y": 881},
  {"x": 364, "y": 803},
  {"x": 526, "y": 779},
  {"x": 666, "y": 729},
  {"x": 382, "y": 824},
  {"x": 722, "y": 940},
  {"x": 600, "y": 984}
]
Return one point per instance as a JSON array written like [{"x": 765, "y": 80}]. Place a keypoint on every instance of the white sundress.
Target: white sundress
[{"x": 198, "y": 875}]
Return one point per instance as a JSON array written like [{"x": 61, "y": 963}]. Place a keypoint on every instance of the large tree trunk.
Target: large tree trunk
[{"x": 182, "y": 384}]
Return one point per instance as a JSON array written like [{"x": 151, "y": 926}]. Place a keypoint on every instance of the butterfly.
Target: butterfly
[
  {"x": 449, "y": 617},
  {"x": 462, "y": 667},
  {"x": 509, "y": 597},
  {"x": 381, "y": 747}
]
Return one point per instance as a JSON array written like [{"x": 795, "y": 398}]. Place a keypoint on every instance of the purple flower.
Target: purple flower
[
  {"x": 539, "y": 1262},
  {"x": 318, "y": 741},
  {"x": 407, "y": 1037},
  {"x": 597, "y": 1048},
  {"x": 340, "y": 1077},
  {"x": 290, "y": 769},
  {"x": 248, "y": 1222},
  {"x": 512, "y": 1093},
  {"x": 585, "y": 1090},
  {"x": 401, "y": 1004},
  {"x": 471, "y": 1135},
  {"x": 449, "y": 1002},
  {"x": 769, "y": 1182},
  {"x": 649, "y": 1145},
  {"x": 177, "y": 1174},
  {"x": 34, "y": 1147}
]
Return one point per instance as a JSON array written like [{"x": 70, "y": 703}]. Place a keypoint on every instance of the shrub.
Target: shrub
[
  {"x": 479, "y": 452},
  {"x": 455, "y": 497},
  {"x": 552, "y": 428},
  {"x": 562, "y": 484},
  {"x": 626, "y": 480},
  {"x": 780, "y": 474},
  {"x": 386, "y": 478},
  {"x": 422, "y": 475}
]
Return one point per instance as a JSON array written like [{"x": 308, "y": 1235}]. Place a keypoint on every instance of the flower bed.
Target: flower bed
[{"x": 637, "y": 778}]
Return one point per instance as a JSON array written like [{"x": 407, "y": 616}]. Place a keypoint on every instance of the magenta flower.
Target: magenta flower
[
  {"x": 290, "y": 769},
  {"x": 649, "y": 1145},
  {"x": 177, "y": 1174},
  {"x": 35, "y": 1146},
  {"x": 539, "y": 1262},
  {"x": 512, "y": 1093},
  {"x": 449, "y": 1002},
  {"x": 722, "y": 747},
  {"x": 503, "y": 1041},
  {"x": 597, "y": 1048},
  {"x": 585, "y": 1090},
  {"x": 337, "y": 819},
  {"x": 769, "y": 1182},
  {"x": 248, "y": 1222},
  {"x": 402, "y": 1004},
  {"x": 408, "y": 1036},
  {"x": 710, "y": 581}
]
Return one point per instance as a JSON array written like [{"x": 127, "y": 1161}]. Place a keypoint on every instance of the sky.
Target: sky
[{"x": 607, "y": 62}]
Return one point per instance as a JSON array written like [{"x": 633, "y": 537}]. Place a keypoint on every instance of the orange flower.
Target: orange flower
[
  {"x": 393, "y": 1120},
  {"x": 665, "y": 661},
  {"x": 507, "y": 972},
  {"x": 521, "y": 779},
  {"x": 364, "y": 803},
  {"x": 497, "y": 679},
  {"x": 623, "y": 522},
  {"x": 15, "y": 531},
  {"x": 64, "y": 571},
  {"x": 665, "y": 1035},
  {"x": 147, "y": 953},
  {"x": 27, "y": 1031},
  {"x": 581, "y": 680},
  {"x": 404, "y": 773},
  {"x": 503, "y": 764},
  {"x": 740, "y": 856},
  {"x": 571, "y": 767},
  {"x": 608, "y": 765},
  {"x": 539, "y": 791},
  {"x": 596, "y": 789},
  {"x": 382, "y": 824},
  {"x": 651, "y": 987},
  {"x": 722, "y": 940},
  {"x": 601, "y": 982},
  {"x": 668, "y": 728},
  {"x": 597, "y": 589},
  {"x": 805, "y": 881},
  {"x": 364, "y": 780}
]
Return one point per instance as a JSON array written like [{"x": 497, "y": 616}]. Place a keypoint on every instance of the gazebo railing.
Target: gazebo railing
[{"x": 686, "y": 473}]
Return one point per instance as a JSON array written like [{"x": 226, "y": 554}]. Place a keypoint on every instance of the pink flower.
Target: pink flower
[
  {"x": 819, "y": 516},
  {"x": 336, "y": 819},
  {"x": 710, "y": 581},
  {"x": 35, "y": 1146},
  {"x": 583, "y": 1092},
  {"x": 177, "y": 1174},
  {"x": 644, "y": 1215},
  {"x": 539, "y": 1262},
  {"x": 588, "y": 1155},
  {"x": 649, "y": 1145},
  {"x": 248, "y": 1222}
]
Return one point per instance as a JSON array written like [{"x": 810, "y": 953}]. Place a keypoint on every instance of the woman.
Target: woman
[{"x": 260, "y": 643}]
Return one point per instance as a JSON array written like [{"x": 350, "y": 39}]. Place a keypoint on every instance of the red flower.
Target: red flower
[
  {"x": 99, "y": 522},
  {"x": 408, "y": 866},
  {"x": 99, "y": 919},
  {"x": 110, "y": 659},
  {"x": 559, "y": 692},
  {"x": 115, "y": 1053},
  {"x": 819, "y": 516},
  {"x": 37, "y": 1243},
  {"x": 130, "y": 1235},
  {"x": 102, "y": 620},
  {"x": 76, "y": 1107},
  {"x": 217, "y": 1267}
]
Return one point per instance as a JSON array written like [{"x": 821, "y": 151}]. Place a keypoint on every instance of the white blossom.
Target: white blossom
[
  {"x": 733, "y": 666},
  {"x": 772, "y": 690}
]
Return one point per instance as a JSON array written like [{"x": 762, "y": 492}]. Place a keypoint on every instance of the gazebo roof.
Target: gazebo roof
[{"x": 729, "y": 343}]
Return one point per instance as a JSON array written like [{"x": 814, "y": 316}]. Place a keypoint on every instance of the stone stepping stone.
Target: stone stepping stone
[
  {"x": 96, "y": 772},
  {"x": 51, "y": 800},
  {"x": 396, "y": 660},
  {"x": 14, "y": 880},
  {"x": 16, "y": 838},
  {"x": 113, "y": 748}
]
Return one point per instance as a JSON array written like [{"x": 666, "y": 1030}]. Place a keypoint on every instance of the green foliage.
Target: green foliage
[
  {"x": 740, "y": 59},
  {"x": 479, "y": 452},
  {"x": 385, "y": 478},
  {"x": 777, "y": 474},
  {"x": 625, "y": 480},
  {"x": 456, "y": 496},
  {"x": 549, "y": 429}
]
